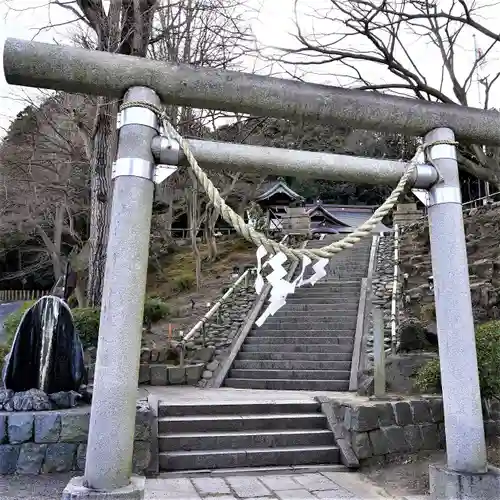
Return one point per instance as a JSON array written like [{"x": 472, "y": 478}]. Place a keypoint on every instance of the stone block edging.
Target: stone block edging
[
  {"x": 378, "y": 430},
  {"x": 41, "y": 442},
  {"x": 162, "y": 374}
]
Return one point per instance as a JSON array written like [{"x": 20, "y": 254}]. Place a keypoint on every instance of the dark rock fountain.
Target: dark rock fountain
[{"x": 44, "y": 369}]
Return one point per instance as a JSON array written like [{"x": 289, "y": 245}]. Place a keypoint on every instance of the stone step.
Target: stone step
[
  {"x": 328, "y": 289},
  {"x": 329, "y": 284},
  {"x": 360, "y": 260},
  {"x": 231, "y": 423},
  {"x": 288, "y": 385},
  {"x": 326, "y": 331},
  {"x": 339, "y": 305},
  {"x": 254, "y": 457},
  {"x": 333, "y": 323},
  {"x": 291, "y": 374},
  {"x": 321, "y": 300},
  {"x": 246, "y": 439},
  {"x": 345, "y": 309},
  {"x": 291, "y": 365},
  {"x": 357, "y": 268},
  {"x": 355, "y": 281},
  {"x": 340, "y": 275},
  {"x": 347, "y": 254},
  {"x": 331, "y": 294},
  {"x": 310, "y": 340},
  {"x": 362, "y": 244},
  {"x": 346, "y": 282},
  {"x": 326, "y": 314},
  {"x": 295, "y": 356},
  {"x": 244, "y": 408},
  {"x": 305, "y": 346}
]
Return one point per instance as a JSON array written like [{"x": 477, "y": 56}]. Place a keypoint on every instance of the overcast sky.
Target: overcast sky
[{"x": 272, "y": 27}]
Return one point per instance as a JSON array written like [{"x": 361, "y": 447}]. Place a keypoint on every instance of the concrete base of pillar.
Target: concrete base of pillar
[
  {"x": 447, "y": 484},
  {"x": 75, "y": 490}
]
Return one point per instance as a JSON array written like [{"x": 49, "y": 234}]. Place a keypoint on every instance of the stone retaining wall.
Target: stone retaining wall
[
  {"x": 382, "y": 282},
  {"x": 56, "y": 441},
  {"x": 376, "y": 430},
  {"x": 220, "y": 333},
  {"x": 170, "y": 375},
  {"x": 406, "y": 213},
  {"x": 204, "y": 353},
  {"x": 481, "y": 229},
  {"x": 379, "y": 430}
]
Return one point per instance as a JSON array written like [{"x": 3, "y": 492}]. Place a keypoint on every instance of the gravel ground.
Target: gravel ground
[{"x": 33, "y": 487}]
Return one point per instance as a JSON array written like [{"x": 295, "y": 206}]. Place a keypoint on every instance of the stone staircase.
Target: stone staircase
[
  {"x": 308, "y": 344},
  {"x": 248, "y": 434}
]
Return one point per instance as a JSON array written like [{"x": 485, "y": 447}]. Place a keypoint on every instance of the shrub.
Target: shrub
[
  {"x": 10, "y": 326},
  {"x": 488, "y": 359},
  {"x": 428, "y": 313},
  {"x": 13, "y": 319},
  {"x": 183, "y": 282},
  {"x": 412, "y": 335},
  {"x": 155, "y": 309},
  {"x": 4, "y": 350},
  {"x": 86, "y": 321},
  {"x": 428, "y": 378}
]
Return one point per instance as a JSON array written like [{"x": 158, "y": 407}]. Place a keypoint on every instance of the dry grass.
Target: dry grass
[
  {"x": 410, "y": 475},
  {"x": 177, "y": 284}
]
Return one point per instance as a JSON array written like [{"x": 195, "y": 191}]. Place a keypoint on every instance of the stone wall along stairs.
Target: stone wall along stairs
[
  {"x": 308, "y": 344},
  {"x": 249, "y": 434}
]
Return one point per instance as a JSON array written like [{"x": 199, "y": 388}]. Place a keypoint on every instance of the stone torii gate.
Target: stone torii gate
[{"x": 144, "y": 82}]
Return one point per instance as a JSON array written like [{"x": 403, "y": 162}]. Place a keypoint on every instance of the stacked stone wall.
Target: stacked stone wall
[{"x": 42, "y": 442}]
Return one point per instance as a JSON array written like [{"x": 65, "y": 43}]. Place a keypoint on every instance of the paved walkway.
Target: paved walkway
[
  {"x": 265, "y": 486},
  {"x": 258, "y": 485},
  {"x": 194, "y": 395}
]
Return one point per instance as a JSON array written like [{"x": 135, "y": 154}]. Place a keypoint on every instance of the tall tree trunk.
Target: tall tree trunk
[
  {"x": 80, "y": 294},
  {"x": 193, "y": 224},
  {"x": 54, "y": 246},
  {"x": 211, "y": 240},
  {"x": 104, "y": 144},
  {"x": 169, "y": 216}
]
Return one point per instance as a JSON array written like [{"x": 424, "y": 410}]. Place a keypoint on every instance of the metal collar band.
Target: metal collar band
[
  {"x": 444, "y": 194},
  {"x": 138, "y": 116},
  {"x": 135, "y": 167}
]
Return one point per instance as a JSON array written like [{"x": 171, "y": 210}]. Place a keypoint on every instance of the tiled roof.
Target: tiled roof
[
  {"x": 351, "y": 216},
  {"x": 277, "y": 187}
]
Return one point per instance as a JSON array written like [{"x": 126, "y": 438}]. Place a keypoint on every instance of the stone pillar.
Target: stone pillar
[{"x": 108, "y": 468}]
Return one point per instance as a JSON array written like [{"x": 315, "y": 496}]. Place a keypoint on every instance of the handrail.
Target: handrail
[
  {"x": 466, "y": 204},
  {"x": 219, "y": 303},
  {"x": 216, "y": 306},
  {"x": 359, "y": 356},
  {"x": 395, "y": 282}
]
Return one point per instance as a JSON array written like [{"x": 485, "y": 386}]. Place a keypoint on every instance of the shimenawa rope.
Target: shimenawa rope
[{"x": 249, "y": 233}]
